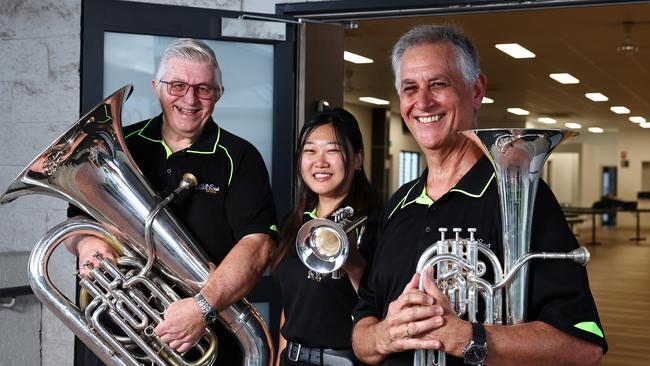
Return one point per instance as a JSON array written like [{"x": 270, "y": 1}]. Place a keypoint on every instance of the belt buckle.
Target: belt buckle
[{"x": 294, "y": 356}]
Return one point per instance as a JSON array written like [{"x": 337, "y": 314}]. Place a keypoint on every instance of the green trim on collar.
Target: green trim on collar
[
  {"x": 402, "y": 203},
  {"x": 475, "y": 195},
  {"x": 214, "y": 147},
  {"x": 424, "y": 199},
  {"x": 590, "y": 327},
  {"x": 274, "y": 228},
  {"x": 232, "y": 166},
  {"x": 312, "y": 213},
  {"x": 168, "y": 151}
]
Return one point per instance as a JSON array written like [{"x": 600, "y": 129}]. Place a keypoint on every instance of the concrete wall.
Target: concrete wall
[{"x": 39, "y": 97}]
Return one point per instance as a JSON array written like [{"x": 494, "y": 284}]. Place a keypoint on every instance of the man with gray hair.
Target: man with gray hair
[
  {"x": 440, "y": 86},
  {"x": 231, "y": 212}
]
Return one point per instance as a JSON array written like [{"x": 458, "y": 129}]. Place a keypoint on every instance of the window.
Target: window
[{"x": 409, "y": 166}]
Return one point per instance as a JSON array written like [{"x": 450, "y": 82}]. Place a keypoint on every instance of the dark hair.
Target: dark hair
[{"x": 362, "y": 196}]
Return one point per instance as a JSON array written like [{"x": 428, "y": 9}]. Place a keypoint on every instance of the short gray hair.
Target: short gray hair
[
  {"x": 191, "y": 50},
  {"x": 468, "y": 58}
]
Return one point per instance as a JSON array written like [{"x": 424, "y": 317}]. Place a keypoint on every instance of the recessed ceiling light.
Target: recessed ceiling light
[
  {"x": 374, "y": 100},
  {"x": 619, "y": 110},
  {"x": 487, "y": 100},
  {"x": 645, "y": 125},
  {"x": 637, "y": 119},
  {"x": 595, "y": 130},
  {"x": 547, "y": 120},
  {"x": 515, "y": 50},
  {"x": 564, "y": 78},
  {"x": 357, "y": 59},
  {"x": 597, "y": 97},
  {"x": 518, "y": 111},
  {"x": 572, "y": 125}
]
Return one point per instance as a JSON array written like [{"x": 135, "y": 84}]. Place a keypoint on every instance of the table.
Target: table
[
  {"x": 589, "y": 211},
  {"x": 599, "y": 211}
]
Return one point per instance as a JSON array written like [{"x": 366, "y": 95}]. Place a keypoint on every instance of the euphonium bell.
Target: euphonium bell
[{"x": 323, "y": 245}]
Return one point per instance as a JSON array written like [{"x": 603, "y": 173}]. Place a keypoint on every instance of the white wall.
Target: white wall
[
  {"x": 364, "y": 118},
  {"x": 563, "y": 169}
]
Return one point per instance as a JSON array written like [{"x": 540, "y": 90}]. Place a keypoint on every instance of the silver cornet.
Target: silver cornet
[{"x": 323, "y": 245}]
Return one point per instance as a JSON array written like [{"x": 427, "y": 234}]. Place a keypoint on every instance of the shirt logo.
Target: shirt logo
[{"x": 208, "y": 188}]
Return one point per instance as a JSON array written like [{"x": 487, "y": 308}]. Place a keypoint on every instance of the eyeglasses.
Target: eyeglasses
[{"x": 180, "y": 88}]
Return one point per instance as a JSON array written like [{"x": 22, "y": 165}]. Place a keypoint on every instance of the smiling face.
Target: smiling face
[
  {"x": 435, "y": 100},
  {"x": 187, "y": 115},
  {"x": 322, "y": 165}
]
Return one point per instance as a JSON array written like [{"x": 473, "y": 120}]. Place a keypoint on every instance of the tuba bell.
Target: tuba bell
[
  {"x": 518, "y": 156},
  {"x": 323, "y": 245},
  {"x": 90, "y": 166}
]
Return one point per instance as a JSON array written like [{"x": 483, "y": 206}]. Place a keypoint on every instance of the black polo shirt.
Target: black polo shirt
[
  {"x": 558, "y": 291},
  {"x": 233, "y": 196},
  {"x": 318, "y": 314},
  {"x": 232, "y": 199}
]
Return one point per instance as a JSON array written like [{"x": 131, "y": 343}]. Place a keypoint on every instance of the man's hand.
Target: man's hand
[
  {"x": 409, "y": 320},
  {"x": 453, "y": 332},
  {"x": 183, "y": 325},
  {"x": 87, "y": 247}
]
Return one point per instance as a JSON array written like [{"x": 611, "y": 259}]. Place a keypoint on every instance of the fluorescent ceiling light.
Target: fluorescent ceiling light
[
  {"x": 637, "y": 119},
  {"x": 597, "y": 97},
  {"x": 564, "y": 78},
  {"x": 518, "y": 111},
  {"x": 374, "y": 100},
  {"x": 595, "y": 130},
  {"x": 619, "y": 110},
  {"x": 572, "y": 125},
  {"x": 547, "y": 120},
  {"x": 357, "y": 59},
  {"x": 515, "y": 50},
  {"x": 487, "y": 100},
  {"x": 645, "y": 125}
]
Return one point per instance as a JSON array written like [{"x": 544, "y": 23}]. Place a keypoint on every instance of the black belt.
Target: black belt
[{"x": 331, "y": 357}]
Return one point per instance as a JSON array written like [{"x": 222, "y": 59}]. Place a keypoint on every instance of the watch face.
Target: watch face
[
  {"x": 211, "y": 317},
  {"x": 475, "y": 354}
]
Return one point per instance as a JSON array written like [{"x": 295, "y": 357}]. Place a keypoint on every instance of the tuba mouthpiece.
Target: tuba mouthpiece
[{"x": 188, "y": 181}]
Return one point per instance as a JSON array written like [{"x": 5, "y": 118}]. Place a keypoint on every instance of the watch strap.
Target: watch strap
[
  {"x": 207, "y": 309},
  {"x": 478, "y": 333}
]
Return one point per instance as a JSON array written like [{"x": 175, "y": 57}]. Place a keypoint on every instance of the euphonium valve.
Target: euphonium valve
[{"x": 323, "y": 245}]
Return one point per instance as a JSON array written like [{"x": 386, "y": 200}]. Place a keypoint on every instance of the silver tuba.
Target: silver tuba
[
  {"x": 90, "y": 166},
  {"x": 518, "y": 156},
  {"x": 323, "y": 245}
]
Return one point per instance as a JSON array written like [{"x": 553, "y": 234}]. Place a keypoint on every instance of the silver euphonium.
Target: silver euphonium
[
  {"x": 518, "y": 156},
  {"x": 323, "y": 245},
  {"x": 90, "y": 166}
]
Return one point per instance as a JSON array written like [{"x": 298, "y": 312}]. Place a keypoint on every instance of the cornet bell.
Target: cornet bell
[{"x": 322, "y": 245}]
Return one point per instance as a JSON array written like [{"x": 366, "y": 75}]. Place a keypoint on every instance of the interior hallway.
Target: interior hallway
[{"x": 619, "y": 274}]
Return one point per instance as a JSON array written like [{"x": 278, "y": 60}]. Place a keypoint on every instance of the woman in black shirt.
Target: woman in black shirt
[{"x": 316, "y": 324}]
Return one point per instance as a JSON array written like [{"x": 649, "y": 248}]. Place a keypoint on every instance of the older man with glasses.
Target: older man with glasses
[{"x": 230, "y": 213}]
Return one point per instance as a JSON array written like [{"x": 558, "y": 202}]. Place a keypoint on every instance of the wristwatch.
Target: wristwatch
[
  {"x": 475, "y": 353},
  {"x": 209, "y": 313}
]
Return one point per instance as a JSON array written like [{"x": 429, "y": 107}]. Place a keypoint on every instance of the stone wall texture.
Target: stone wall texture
[{"x": 40, "y": 43}]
